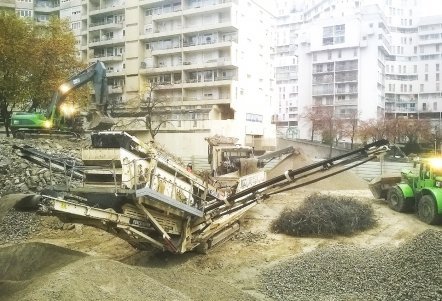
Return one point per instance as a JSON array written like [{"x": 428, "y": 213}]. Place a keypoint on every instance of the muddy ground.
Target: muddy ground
[{"x": 83, "y": 263}]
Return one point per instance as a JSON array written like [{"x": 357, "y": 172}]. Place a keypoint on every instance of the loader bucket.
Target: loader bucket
[
  {"x": 380, "y": 185},
  {"x": 99, "y": 122}
]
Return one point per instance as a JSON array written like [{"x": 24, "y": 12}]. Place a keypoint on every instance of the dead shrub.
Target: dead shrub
[{"x": 325, "y": 215}]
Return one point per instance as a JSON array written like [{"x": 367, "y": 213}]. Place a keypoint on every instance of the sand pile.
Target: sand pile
[{"x": 39, "y": 271}]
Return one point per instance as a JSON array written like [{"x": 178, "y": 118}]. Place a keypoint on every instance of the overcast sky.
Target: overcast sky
[
  {"x": 430, "y": 7},
  {"x": 427, "y": 7}
]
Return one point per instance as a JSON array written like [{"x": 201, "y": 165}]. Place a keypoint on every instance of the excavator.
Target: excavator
[
  {"x": 54, "y": 120},
  {"x": 141, "y": 194}
]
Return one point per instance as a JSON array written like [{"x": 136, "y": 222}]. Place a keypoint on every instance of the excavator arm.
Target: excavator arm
[{"x": 95, "y": 73}]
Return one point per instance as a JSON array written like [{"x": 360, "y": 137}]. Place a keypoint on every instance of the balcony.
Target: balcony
[
  {"x": 347, "y": 101},
  {"x": 322, "y": 79},
  {"x": 106, "y": 41},
  {"x": 207, "y": 100},
  {"x": 199, "y": 7},
  {"x": 344, "y": 79},
  {"x": 106, "y": 58},
  {"x": 213, "y": 44},
  {"x": 323, "y": 90},
  {"x": 346, "y": 66},
  {"x": 157, "y": 69},
  {"x": 223, "y": 24},
  {"x": 215, "y": 81},
  {"x": 347, "y": 91},
  {"x": 115, "y": 89},
  {"x": 46, "y": 7},
  {"x": 106, "y": 8},
  {"x": 105, "y": 24},
  {"x": 213, "y": 63},
  {"x": 113, "y": 73}
]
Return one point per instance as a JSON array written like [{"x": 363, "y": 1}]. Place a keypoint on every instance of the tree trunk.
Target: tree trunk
[{"x": 6, "y": 117}]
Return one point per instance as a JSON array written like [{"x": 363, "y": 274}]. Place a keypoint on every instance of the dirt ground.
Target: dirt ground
[{"x": 87, "y": 264}]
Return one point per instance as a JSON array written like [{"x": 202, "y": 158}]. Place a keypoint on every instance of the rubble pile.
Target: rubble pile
[
  {"x": 409, "y": 272},
  {"x": 18, "y": 175}
]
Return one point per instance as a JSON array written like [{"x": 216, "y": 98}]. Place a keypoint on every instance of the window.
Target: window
[
  {"x": 314, "y": 57},
  {"x": 426, "y": 77},
  {"x": 437, "y": 67},
  {"x": 75, "y": 25},
  {"x": 329, "y": 55},
  {"x": 437, "y": 87},
  {"x": 333, "y": 34},
  {"x": 339, "y": 53},
  {"x": 415, "y": 68},
  {"x": 23, "y": 13},
  {"x": 437, "y": 76},
  {"x": 422, "y": 88}
]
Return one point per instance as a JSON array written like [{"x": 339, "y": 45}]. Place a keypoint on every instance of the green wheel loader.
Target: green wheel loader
[{"x": 414, "y": 191}]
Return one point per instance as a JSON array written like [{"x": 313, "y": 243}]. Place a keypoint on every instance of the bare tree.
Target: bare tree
[
  {"x": 314, "y": 115},
  {"x": 351, "y": 126},
  {"x": 150, "y": 108}
]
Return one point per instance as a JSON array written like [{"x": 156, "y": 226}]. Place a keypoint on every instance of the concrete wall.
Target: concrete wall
[{"x": 310, "y": 149}]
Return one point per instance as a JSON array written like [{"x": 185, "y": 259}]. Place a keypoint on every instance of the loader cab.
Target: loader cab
[{"x": 430, "y": 172}]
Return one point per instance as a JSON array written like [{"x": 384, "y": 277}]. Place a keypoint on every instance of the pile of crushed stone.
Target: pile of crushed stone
[
  {"x": 410, "y": 272},
  {"x": 39, "y": 271},
  {"x": 18, "y": 175}
]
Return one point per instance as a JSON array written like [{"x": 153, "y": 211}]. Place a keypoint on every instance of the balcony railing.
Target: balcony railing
[
  {"x": 105, "y": 22},
  {"x": 346, "y": 91},
  {"x": 206, "y": 80},
  {"x": 116, "y": 4},
  {"x": 346, "y": 67},
  {"x": 106, "y": 39}
]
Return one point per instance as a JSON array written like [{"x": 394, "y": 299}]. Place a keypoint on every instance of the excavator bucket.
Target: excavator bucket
[{"x": 99, "y": 122}]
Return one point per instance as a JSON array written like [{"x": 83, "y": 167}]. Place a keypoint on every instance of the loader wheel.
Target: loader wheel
[
  {"x": 427, "y": 210},
  {"x": 397, "y": 201}
]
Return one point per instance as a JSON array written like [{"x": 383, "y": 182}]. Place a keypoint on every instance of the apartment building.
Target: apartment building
[
  {"x": 196, "y": 53},
  {"x": 371, "y": 58},
  {"x": 286, "y": 103},
  {"x": 342, "y": 48}
]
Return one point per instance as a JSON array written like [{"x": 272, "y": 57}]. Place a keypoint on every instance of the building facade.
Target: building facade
[
  {"x": 195, "y": 54},
  {"x": 366, "y": 59},
  {"x": 237, "y": 68}
]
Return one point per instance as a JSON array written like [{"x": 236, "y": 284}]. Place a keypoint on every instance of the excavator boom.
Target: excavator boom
[{"x": 50, "y": 122}]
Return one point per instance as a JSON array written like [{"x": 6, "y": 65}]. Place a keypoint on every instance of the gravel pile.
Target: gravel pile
[
  {"x": 412, "y": 271},
  {"x": 17, "y": 226},
  {"x": 19, "y": 175}
]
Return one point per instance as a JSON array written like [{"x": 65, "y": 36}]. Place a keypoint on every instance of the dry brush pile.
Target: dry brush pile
[{"x": 325, "y": 215}]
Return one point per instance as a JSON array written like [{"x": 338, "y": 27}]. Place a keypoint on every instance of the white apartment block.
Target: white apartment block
[
  {"x": 209, "y": 58},
  {"x": 377, "y": 58}
]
